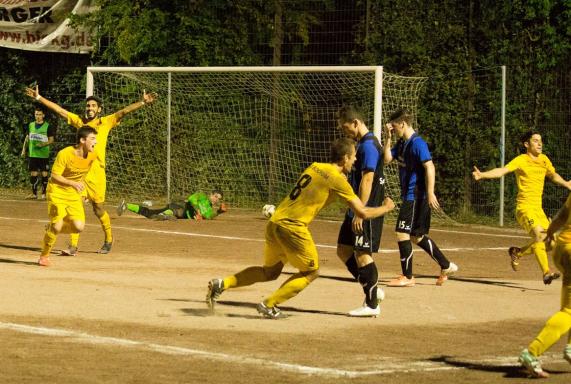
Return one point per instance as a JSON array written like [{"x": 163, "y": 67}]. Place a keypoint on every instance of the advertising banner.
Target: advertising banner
[{"x": 43, "y": 25}]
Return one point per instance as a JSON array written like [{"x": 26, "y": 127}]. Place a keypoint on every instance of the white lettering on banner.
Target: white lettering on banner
[{"x": 43, "y": 26}]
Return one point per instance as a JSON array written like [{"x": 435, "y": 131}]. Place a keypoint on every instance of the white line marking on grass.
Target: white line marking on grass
[
  {"x": 192, "y": 234},
  {"x": 388, "y": 367}
]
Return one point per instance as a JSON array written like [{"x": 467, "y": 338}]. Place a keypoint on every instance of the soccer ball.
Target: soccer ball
[
  {"x": 268, "y": 210},
  {"x": 380, "y": 294}
]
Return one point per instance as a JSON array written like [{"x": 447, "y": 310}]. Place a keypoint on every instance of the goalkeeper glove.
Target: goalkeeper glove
[{"x": 223, "y": 208}]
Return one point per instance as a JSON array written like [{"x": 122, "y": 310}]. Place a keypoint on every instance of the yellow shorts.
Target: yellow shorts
[
  {"x": 61, "y": 208},
  {"x": 530, "y": 218},
  {"x": 562, "y": 259},
  {"x": 96, "y": 183},
  {"x": 294, "y": 246}
]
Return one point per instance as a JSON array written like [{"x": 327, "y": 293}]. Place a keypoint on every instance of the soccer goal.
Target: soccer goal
[{"x": 247, "y": 130}]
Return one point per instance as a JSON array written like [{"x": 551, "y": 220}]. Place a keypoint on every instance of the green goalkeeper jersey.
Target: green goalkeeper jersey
[{"x": 199, "y": 202}]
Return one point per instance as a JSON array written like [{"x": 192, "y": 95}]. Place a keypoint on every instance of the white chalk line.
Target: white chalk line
[
  {"x": 388, "y": 366},
  {"x": 192, "y": 234}
]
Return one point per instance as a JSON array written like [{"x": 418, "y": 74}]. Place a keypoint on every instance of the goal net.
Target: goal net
[{"x": 248, "y": 131}]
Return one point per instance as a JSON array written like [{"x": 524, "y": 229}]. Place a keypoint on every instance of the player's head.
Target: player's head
[
  {"x": 350, "y": 120},
  {"x": 39, "y": 115},
  {"x": 86, "y": 137},
  {"x": 343, "y": 153},
  {"x": 400, "y": 120},
  {"x": 93, "y": 105},
  {"x": 532, "y": 142},
  {"x": 216, "y": 196}
]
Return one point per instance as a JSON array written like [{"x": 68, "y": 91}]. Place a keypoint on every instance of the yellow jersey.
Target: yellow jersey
[
  {"x": 72, "y": 167},
  {"x": 565, "y": 234},
  {"x": 530, "y": 177},
  {"x": 102, "y": 125},
  {"x": 319, "y": 185}
]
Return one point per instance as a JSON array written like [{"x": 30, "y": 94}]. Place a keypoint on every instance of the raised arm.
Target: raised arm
[
  {"x": 557, "y": 179},
  {"x": 34, "y": 93},
  {"x": 495, "y": 173},
  {"x": 387, "y": 155},
  {"x": 148, "y": 98}
]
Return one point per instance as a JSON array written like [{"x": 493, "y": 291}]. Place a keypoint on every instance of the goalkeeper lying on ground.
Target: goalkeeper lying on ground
[{"x": 197, "y": 206}]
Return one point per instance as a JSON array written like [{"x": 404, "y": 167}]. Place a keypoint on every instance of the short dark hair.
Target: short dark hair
[
  {"x": 341, "y": 147},
  {"x": 96, "y": 99},
  {"x": 400, "y": 115},
  {"x": 527, "y": 136},
  {"x": 219, "y": 191},
  {"x": 349, "y": 113},
  {"x": 83, "y": 132},
  {"x": 40, "y": 109}
]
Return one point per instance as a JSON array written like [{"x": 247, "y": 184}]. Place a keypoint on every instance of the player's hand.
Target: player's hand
[
  {"x": 149, "y": 97},
  {"x": 222, "y": 208},
  {"x": 32, "y": 92},
  {"x": 476, "y": 174},
  {"x": 197, "y": 216},
  {"x": 388, "y": 130},
  {"x": 79, "y": 187},
  {"x": 357, "y": 225},
  {"x": 433, "y": 202},
  {"x": 389, "y": 204}
]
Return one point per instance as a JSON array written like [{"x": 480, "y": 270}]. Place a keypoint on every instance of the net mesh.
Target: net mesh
[{"x": 248, "y": 133}]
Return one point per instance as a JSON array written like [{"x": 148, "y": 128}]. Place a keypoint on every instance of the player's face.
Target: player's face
[
  {"x": 89, "y": 143},
  {"x": 534, "y": 146},
  {"x": 215, "y": 198},
  {"x": 349, "y": 161},
  {"x": 92, "y": 109},
  {"x": 397, "y": 128},
  {"x": 39, "y": 116},
  {"x": 349, "y": 128}
]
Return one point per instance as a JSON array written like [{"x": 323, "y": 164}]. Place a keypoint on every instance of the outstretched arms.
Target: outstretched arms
[
  {"x": 34, "y": 93},
  {"x": 557, "y": 179},
  {"x": 495, "y": 173},
  {"x": 148, "y": 98}
]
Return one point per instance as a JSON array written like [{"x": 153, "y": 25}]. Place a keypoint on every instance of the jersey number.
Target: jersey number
[{"x": 303, "y": 182}]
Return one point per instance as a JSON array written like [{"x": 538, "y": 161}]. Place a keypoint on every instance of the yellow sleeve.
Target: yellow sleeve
[
  {"x": 514, "y": 164},
  {"x": 342, "y": 188},
  {"x": 549, "y": 166},
  {"x": 110, "y": 120},
  {"x": 60, "y": 162},
  {"x": 74, "y": 120}
]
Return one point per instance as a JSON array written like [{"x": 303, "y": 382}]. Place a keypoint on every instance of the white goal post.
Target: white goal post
[{"x": 247, "y": 130}]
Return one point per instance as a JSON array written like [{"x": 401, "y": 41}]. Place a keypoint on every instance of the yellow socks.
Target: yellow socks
[
  {"x": 556, "y": 326},
  {"x": 48, "y": 242},
  {"x": 292, "y": 286},
  {"x": 541, "y": 256},
  {"x": 73, "y": 239},
  {"x": 106, "y": 226}
]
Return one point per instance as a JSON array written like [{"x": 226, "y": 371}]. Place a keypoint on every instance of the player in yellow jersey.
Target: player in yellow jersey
[
  {"x": 530, "y": 169},
  {"x": 65, "y": 187},
  {"x": 560, "y": 323},
  {"x": 95, "y": 181},
  {"x": 288, "y": 239}
]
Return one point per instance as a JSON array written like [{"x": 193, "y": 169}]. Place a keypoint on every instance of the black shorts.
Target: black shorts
[
  {"x": 38, "y": 164},
  {"x": 369, "y": 240},
  {"x": 414, "y": 218}
]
